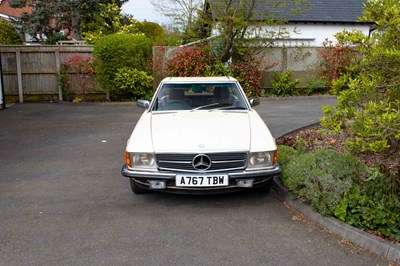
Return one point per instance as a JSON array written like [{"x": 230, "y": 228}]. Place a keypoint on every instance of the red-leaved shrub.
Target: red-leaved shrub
[
  {"x": 189, "y": 62},
  {"x": 336, "y": 59}
]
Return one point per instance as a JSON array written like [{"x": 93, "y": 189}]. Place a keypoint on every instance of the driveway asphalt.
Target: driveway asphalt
[{"x": 64, "y": 202}]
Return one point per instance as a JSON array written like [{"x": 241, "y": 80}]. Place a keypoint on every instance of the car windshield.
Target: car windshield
[{"x": 199, "y": 96}]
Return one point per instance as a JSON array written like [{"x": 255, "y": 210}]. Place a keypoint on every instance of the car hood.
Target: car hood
[{"x": 200, "y": 131}]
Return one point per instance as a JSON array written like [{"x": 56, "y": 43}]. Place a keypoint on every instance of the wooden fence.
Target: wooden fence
[
  {"x": 30, "y": 72},
  {"x": 302, "y": 61}
]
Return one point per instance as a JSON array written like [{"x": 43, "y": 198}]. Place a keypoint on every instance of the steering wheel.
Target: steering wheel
[{"x": 177, "y": 105}]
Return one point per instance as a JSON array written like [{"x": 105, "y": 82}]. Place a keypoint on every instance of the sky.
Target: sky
[{"x": 143, "y": 10}]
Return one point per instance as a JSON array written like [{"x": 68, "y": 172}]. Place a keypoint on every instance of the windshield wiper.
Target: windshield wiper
[
  {"x": 230, "y": 107},
  {"x": 204, "y": 106}
]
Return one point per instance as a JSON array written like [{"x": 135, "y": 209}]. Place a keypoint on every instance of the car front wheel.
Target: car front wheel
[
  {"x": 267, "y": 186},
  {"x": 135, "y": 188}
]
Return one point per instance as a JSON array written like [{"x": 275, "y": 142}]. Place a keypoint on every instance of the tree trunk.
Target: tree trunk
[
  {"x": 227, "y": 53},
  {"x": 76, "y": 23}
]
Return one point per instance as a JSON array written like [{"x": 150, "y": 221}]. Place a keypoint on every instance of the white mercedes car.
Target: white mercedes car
[{"x": 200, "y": 135}]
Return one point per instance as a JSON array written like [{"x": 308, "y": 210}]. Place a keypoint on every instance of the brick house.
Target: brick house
[{"x": 8, "y": 13}]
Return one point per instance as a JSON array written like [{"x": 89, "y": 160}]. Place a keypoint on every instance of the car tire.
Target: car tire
[
  {"x": 265, "y": 188},
  {"x": 135, "y": 188}
]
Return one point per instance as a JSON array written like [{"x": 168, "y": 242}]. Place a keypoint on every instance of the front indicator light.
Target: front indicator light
[
  {"x": 275, "y": 157},
  {"x": 128, "y": 159}
]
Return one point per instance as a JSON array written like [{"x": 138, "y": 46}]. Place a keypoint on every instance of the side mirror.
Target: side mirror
[
  {"x": 254, "y": 101},
  {"x": 143, "y": 104}
]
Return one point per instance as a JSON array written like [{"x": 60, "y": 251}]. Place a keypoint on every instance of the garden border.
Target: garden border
[{"x": 372, "y": 243}]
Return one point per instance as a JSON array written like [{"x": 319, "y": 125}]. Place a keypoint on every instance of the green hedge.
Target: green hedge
[{"x": 116, "y": 51}]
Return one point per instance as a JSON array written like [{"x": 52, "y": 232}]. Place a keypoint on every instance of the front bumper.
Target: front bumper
[{"x": 142, "y": 178}]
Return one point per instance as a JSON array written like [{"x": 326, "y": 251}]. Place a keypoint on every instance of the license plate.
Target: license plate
[{"x": 201, "y": 180}]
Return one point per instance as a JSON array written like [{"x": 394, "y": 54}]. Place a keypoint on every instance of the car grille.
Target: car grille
[{"x": 184, "y": 162}]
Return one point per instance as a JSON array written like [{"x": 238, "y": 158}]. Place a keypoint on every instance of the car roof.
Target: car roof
[{"x": 197, "y": 79}]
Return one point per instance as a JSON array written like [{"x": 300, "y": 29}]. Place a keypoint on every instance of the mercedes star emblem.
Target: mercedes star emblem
[{"x": 201, "y": 162}]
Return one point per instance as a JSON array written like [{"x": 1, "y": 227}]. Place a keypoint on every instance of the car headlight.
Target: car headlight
[
  {"x": 140, "y": 160},
  {"x": 263, "y": 159}
]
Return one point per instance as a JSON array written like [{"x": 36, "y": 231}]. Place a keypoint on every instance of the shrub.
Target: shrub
[
  {"x": 323, "y": 178},
  {"x": 315, "y": 85},
  {"x": 249, "y": 73},
  {"x": 374, "y": 125},
  {"x": 54, "y": 38},
  {"x": 282, "y": 84},
  {"x": 81, "y": 68},
  {"x": 189, "y": 62},
  {"x": 132, "y": 84},
  {"x": 286, "y": 154},
  {"x": 336, "y": 58},
  {"x": 198, "y": 61},
  {"x": 369, "y": 97},
  {"x": 373, "y": 205},
  {"x": 116, "y": 51},
  {"x": 8, "y": 34}
]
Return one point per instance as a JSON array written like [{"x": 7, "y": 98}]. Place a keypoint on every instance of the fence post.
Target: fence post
[
  {"x": 2, "y": 95},
  {"x": 284, "y": 59},
  {"x": 58, "y": 66},
  {"x": 19, "y": 74}
]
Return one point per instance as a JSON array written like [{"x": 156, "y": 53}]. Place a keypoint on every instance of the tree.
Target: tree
[
  {"x": 108, "y": 20},
  {"x": 8, "y": 34},
  {"x": 153, "y": 31},
  {"x": 183, "y": 13},
  {"x": 243, "y": 25},
  {"x": 369, "y": 99},
  {"x": 51, "y": 16}
]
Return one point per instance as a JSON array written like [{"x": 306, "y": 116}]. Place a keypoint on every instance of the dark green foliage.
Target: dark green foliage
[
  {"x": 338, "y": 185},
  {"x": 53, "y": 39},
  {"x": 315, "y": 86},
  {"x": 17, "y": 3},
  {"x": 323, "y": 178},
  {"x": 116, "y": 51},
  {"x": 285, "y": 155},
  {"x": 8, "y": 34},
  {"x": 373, "y": 205}
]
